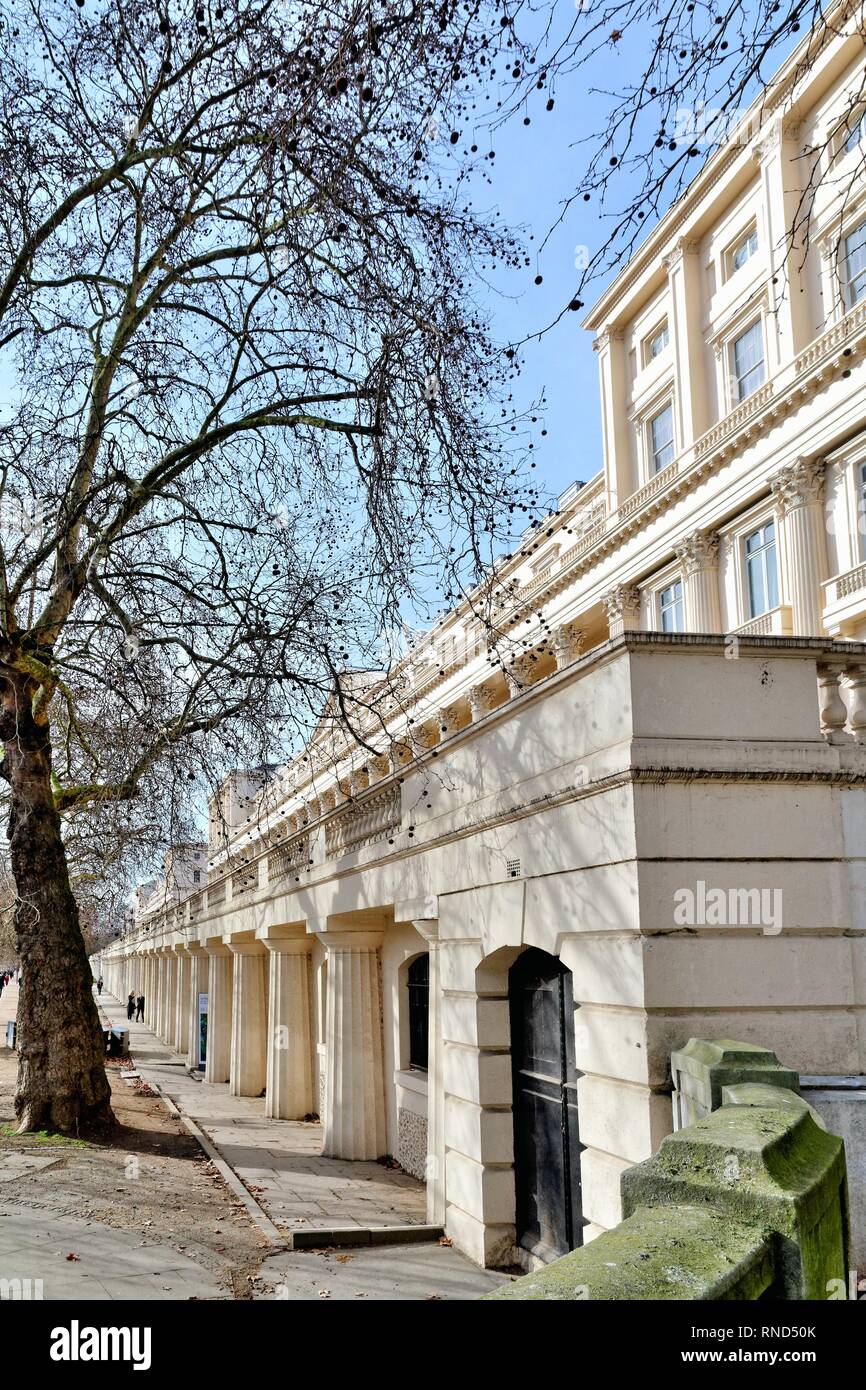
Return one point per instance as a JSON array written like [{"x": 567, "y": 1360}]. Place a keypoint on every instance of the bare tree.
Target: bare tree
[{"x": 253, "y": 413}]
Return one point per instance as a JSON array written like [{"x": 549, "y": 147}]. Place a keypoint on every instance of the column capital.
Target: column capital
[
  {"x": 480, "y": 701},
  {"x": 428, "y": 927},
  {"x": 567, "y": 644},
  {"x": 361, "y": 941},
  {"x": 684, "y": 247},
  {"x": 449, "y": 720},
  {"x": 611, "y": 333},
  {"x": 247, "y": 948},
  {"x": 282, "y": 937},
  {"x": 769, "y": 142},
  {"x": 799, "y": 484},
  {"x": 622, "y": 606},
  {"x": 699, "y": 551}
]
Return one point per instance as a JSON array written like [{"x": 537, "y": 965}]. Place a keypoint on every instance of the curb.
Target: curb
[
  {"x": 257, "y": 1213},
  {"x": 364, "y": 1235}
]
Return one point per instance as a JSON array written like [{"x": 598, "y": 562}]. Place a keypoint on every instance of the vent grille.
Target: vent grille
[{"x": 512, "y": 868}]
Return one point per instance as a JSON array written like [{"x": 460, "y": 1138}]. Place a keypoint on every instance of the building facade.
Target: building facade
[{"x": 621, "y": 800}]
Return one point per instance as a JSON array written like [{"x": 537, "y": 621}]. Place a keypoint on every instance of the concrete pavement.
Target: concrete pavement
[{"x": 279, "y": 1161}]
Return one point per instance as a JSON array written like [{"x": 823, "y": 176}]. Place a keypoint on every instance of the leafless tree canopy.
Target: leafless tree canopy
[
  {"x": 252, "y": 406},
  {"x": 252, "y": 415}
]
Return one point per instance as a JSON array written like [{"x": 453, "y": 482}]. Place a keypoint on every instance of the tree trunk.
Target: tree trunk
[{"x": 62, "y": 1085}]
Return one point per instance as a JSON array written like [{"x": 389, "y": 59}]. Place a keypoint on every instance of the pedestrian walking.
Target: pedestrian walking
[
  {"x": 99, "y": 985},
  {"x": 130, "y": 1004},
  {"x": 139, "y": 1009}
]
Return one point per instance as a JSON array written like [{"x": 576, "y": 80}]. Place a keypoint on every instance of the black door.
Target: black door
[{"x": 546, "y": 1141}]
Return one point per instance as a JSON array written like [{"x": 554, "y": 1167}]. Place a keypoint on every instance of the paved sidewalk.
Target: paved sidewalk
[{"x": 278, "y": 1161}]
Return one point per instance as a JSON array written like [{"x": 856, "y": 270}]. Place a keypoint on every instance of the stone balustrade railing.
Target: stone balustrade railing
[
  {"x": 842, "y": 700},
  {"x": 283, "y": 861},
  {"x": 844, "y": 585},
  {"x": 776, "y": 622},
  {"x": 748, "y": 1202},
  {"x": 364, "y": 823}
]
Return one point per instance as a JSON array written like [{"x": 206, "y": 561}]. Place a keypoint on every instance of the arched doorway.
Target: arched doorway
[{"x": 549, "y": 1214}]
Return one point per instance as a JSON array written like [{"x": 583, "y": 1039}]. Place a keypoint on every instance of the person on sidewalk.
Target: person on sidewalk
[
  {"x": 99, "y": 985},
  {"x": 139, "y": 1009},
  {"x": 130, "y": 1004}
]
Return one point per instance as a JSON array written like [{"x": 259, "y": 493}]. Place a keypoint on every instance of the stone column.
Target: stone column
[
  {"x": 248, "y": 1070},
  {"x": 219, "y": 1014},
  {"x": 354, "y": 1119},
  {"x": 170, "y": 1034},
  {"x": 799, "y": 491},
  {"x": 150, "y": 992},
  {"x": 184, "y": 974},
  {"x": 610, "y": 346},
  {"x": 699, "y": 556},
  {"x": 622, "y": 606},
  {"x": 198, "y": 983},
  {"x": 686, "y": 335},
  {"x": 780, "y": 155},
  {"x": 428, "y": 927},
  {"x": 161, "y": 992},
  {"x": 290, "y": 1031}
]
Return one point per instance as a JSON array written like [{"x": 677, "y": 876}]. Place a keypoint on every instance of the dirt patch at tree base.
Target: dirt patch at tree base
[{"x": 147, "y": 1176}]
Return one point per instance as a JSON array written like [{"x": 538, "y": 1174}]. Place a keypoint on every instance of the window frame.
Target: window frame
[
  {"x": 418, "y": 1013},
  {"x": 740, "y": 241},
  {"x": 647, "y": 354},
  {"x": 757, "y": 528},
  {"x": 847, "y": 280},
  {"x": 653, "y": 468},
  {"x": 679, "y": 603},
  {"x": 737, "y": 398}
]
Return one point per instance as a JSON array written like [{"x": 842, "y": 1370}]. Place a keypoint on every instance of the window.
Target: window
[
  {"x": 744, "y": 250},
  {"x": 747, "y": 353},
  {"x": 657, "y": 342},
  {"x": 855, "y": 266},
  {"x": 662, "y": 438},
  {"x": 418, "y": 984},
  {"x": 196, "y": 876},
  {"x": 671, "y": 607},
  {"x": 856, "y": 131},
  {"x": 761, "y": 570},
  {"x": 861, "y": 500}
]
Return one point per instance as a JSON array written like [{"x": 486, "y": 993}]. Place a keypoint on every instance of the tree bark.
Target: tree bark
[{"x": 62, "y": 1085}]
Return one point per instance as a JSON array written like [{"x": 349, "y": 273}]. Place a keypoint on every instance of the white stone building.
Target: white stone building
[{"x": 637, "y": 816}]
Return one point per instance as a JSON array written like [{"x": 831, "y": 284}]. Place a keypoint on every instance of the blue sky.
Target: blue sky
[{"x": 536, "y": 167}]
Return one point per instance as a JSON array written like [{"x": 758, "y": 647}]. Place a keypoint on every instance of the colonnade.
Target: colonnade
[{"x": 261, "y": 1025}]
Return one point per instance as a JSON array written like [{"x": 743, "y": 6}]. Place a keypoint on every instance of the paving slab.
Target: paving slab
[
  {"x": 413, "y": 1273},
  {"x": 108, "y": 1264},
  {"x": 16, "y": 1165}
]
